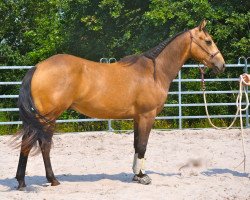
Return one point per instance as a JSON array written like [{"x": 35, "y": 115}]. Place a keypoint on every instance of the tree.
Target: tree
[{"x": 31, "y": 31}]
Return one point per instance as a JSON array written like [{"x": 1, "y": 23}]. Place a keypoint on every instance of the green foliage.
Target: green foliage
[{"x": 33, "y": 30}]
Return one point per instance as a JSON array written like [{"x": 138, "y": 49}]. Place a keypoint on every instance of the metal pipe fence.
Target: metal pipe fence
[{"x": 179, "y": 92}]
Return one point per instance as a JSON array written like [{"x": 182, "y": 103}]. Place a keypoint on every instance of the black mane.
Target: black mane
[{"x": 154, "y": 52}]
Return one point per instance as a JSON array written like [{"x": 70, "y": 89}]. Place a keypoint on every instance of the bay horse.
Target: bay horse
[{"x": 135, "y": 87}]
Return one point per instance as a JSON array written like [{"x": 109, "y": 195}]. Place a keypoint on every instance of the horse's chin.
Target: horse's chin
[
  {"x": 218, "y": 70},
  {"x": 215, "y": 71}
]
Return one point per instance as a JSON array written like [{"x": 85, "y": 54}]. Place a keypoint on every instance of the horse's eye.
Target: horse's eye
[{"x": 208, "y": 42}]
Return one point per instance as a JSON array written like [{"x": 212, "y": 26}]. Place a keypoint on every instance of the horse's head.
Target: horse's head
[{"x": 203, "y": 49}]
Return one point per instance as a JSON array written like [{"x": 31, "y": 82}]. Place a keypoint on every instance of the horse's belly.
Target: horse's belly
[
  {"x": 118, "y": 102},
  {"x": 104, "y": 111}
]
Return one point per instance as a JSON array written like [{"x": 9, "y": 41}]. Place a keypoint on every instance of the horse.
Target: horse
[{"x": 135, "y": 87}]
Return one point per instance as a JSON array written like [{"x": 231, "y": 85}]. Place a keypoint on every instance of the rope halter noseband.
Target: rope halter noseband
[{"x": 195, "y": 41}]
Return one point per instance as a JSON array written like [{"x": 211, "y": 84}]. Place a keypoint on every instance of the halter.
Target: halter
[{"x": 195, "y": 41}]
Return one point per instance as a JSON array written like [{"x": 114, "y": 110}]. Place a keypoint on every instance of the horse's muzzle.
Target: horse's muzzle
[{"x": 217, "y": 69}]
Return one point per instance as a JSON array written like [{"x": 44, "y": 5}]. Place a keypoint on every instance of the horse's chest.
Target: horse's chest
[{"x": 151, "y": 100}]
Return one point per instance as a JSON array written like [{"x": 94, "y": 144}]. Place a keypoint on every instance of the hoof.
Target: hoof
[
  {"x": 21, "y": 185},
  {"x": 144, "y": 179},
  {"x": 55, "y": 183}
]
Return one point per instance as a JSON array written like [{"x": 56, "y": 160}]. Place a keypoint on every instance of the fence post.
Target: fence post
[
  {"x": 110, "y": 129},
  {"x": 108, "y": 60},
  {"x": 179, "y": 100},
  {"x": 247, "y": 111},
  {"x": 245, "y": 70}
]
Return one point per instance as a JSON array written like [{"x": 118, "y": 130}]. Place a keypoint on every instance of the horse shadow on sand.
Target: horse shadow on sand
[{"x": 11, "y": 183}]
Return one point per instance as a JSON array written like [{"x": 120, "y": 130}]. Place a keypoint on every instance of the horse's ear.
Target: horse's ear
[{"x": 202, "y": 24}]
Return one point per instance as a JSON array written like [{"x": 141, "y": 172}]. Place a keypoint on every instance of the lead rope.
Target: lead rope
[{"x": 239, "y": 111}]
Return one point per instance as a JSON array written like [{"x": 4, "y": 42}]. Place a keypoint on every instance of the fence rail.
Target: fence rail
[{"x": 244, "y": 66}]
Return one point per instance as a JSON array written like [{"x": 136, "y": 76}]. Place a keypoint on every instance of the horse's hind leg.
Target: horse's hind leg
[
  {"x": 45, "y": 148},
  {"x": 142, "y": 128},
  {"x": 20, "y": 174}
]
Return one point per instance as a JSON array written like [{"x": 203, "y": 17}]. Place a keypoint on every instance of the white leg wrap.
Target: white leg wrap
[{"x": 138, "y": 164}]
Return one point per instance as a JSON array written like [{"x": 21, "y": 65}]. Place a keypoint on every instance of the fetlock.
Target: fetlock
[{"x": 138, "y": 165}]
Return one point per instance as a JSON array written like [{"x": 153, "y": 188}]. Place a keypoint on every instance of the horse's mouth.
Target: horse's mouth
[{"x": 217, "y": 70}]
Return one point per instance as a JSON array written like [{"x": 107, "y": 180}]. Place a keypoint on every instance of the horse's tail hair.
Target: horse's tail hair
[{"x": 35, "y": 126}]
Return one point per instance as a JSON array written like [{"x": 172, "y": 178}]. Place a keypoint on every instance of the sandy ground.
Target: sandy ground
[{"x": 98, "y": 166}]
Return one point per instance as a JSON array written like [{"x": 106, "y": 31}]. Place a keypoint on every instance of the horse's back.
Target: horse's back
[{"x": 63, "y": 60}]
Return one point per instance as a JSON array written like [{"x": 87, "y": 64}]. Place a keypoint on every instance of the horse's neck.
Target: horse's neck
[{"x": 172, "y": 58}]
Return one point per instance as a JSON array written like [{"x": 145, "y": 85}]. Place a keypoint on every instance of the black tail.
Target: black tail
[{"x": 35, "y": 126}]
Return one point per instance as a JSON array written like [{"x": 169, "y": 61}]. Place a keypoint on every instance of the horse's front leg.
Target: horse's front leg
[{"x": 142, "y": 127}]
